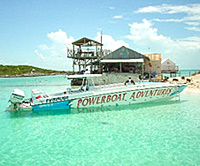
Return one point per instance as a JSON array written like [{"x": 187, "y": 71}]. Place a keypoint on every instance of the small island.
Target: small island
[{"x": 26, "y": 71}]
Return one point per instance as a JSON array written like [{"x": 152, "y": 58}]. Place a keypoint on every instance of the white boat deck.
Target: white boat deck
[
  {"x": 136, "y": 86},
  {"x": 114, "y": 88},
  {"x": 101, "y": 89}
]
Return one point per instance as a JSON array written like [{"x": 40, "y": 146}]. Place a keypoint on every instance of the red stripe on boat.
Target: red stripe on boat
[{"x": 38, "y": 97}]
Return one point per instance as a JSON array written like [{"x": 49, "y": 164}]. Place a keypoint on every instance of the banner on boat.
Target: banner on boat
[{"x": 123, "y": 96}]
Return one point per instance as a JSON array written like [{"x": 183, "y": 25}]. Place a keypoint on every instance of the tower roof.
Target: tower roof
[{"x": 87, "y": 41}]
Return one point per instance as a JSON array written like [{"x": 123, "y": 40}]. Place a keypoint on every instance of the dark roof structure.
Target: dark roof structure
[
  {"x": 87, "y": 41},
  {"x": 125, "y": 53}
]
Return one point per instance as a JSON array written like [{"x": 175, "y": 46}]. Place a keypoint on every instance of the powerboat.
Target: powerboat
[{"x": 89, "y": 95}]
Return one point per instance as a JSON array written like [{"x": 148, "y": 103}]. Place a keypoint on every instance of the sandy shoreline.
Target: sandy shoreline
[
  {"x": 194, "y": 85},
  {"x": 191, "y": 90}
]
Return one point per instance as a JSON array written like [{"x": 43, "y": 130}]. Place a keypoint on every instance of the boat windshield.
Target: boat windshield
[
  {"x": 87, "y": 80},
  {"x": 87, "y": 84}
]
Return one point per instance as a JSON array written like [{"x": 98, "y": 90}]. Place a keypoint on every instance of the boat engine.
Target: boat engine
[{"x": 16, "y": 98}]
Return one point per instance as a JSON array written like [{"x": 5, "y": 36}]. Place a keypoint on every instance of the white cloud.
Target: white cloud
[
  {"x": 193, "y": 23},
  {"x": 193, "y": 29},
  {"x": 185, "y": 52},
  {"x": 60, "y": 37},
  {"x": 54, "y": 55},
  {"x": 192, "y": 18},
  {"x": 118, "y": 17},
  {"x": 1, "y": 61},
  {"x": 168, "y": 20},
  {"x": 39, "y": 55},
  {"x": 191, "y": 9},
  {"x": 139, "y": 31},
  {"x": 192, "y": 12},
  {"x": 112, "y": 8},
  {"x": 109, "y": 42}
]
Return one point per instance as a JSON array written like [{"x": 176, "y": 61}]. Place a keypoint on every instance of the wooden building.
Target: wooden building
[
  {"x": 84, "y": 53},
  {"x": 154, "y": 65},
  {"x": 124, "y": 60},
  {"x": 168, "y": 66}
]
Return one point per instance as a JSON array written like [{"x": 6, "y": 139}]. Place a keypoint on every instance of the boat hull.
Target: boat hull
[{"x": 110, "y": 98}]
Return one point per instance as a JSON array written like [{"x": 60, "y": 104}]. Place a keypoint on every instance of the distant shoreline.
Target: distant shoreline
[
  {"x": 11, "y": 71},
  {"x": 30, "y": 75}
]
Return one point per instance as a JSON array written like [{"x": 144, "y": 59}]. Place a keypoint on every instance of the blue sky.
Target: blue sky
[{"x": 38, "y": 32}]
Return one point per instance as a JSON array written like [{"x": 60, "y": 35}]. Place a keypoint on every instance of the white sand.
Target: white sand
[{"x": 194, "y": 86}]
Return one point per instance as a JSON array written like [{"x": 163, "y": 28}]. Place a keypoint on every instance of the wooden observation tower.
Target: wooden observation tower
[{"x": 86, "y": 52}]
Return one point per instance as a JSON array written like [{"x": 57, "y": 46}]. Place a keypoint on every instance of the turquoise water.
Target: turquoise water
[
  {"x": 186, "y": 73},
  {"x": 153, "y": 134}
]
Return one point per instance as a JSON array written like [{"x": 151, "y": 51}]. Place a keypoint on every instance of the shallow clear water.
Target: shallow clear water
[
  {"x": 180, "y": 73},
  {"x": 163, "y": 133}
]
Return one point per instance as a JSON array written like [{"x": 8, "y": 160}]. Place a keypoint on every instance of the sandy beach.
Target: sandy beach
[{"x": 194, "y": 85}]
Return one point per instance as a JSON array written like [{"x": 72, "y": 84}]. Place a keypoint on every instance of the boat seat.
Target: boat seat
[
  {"x": 69, "y": 90},
  {"x": 84, "y": 89},
  {"x": 46, "y": 95}
]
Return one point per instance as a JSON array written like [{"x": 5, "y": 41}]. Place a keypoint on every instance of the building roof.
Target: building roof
[
  {"x": 125, "y": 53},
  {"x": 87, "y": 41},
  {"x": 166, "y": 59}
]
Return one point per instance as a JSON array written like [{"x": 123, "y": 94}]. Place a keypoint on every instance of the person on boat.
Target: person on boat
[
  {"x": 84, "y": 86},
  {"x": 131, "y": 70},
  {"x": 87, "y": 71},
  {"x": 129, "y": 81}
]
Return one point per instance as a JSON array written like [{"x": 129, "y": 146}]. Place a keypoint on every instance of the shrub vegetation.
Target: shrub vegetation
[{"x": 21, "y": 70}]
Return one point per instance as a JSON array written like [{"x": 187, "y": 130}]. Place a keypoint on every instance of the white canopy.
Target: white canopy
[
  {"x": 121, "y": 60},
  {"x": 83, "y": 76}
]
